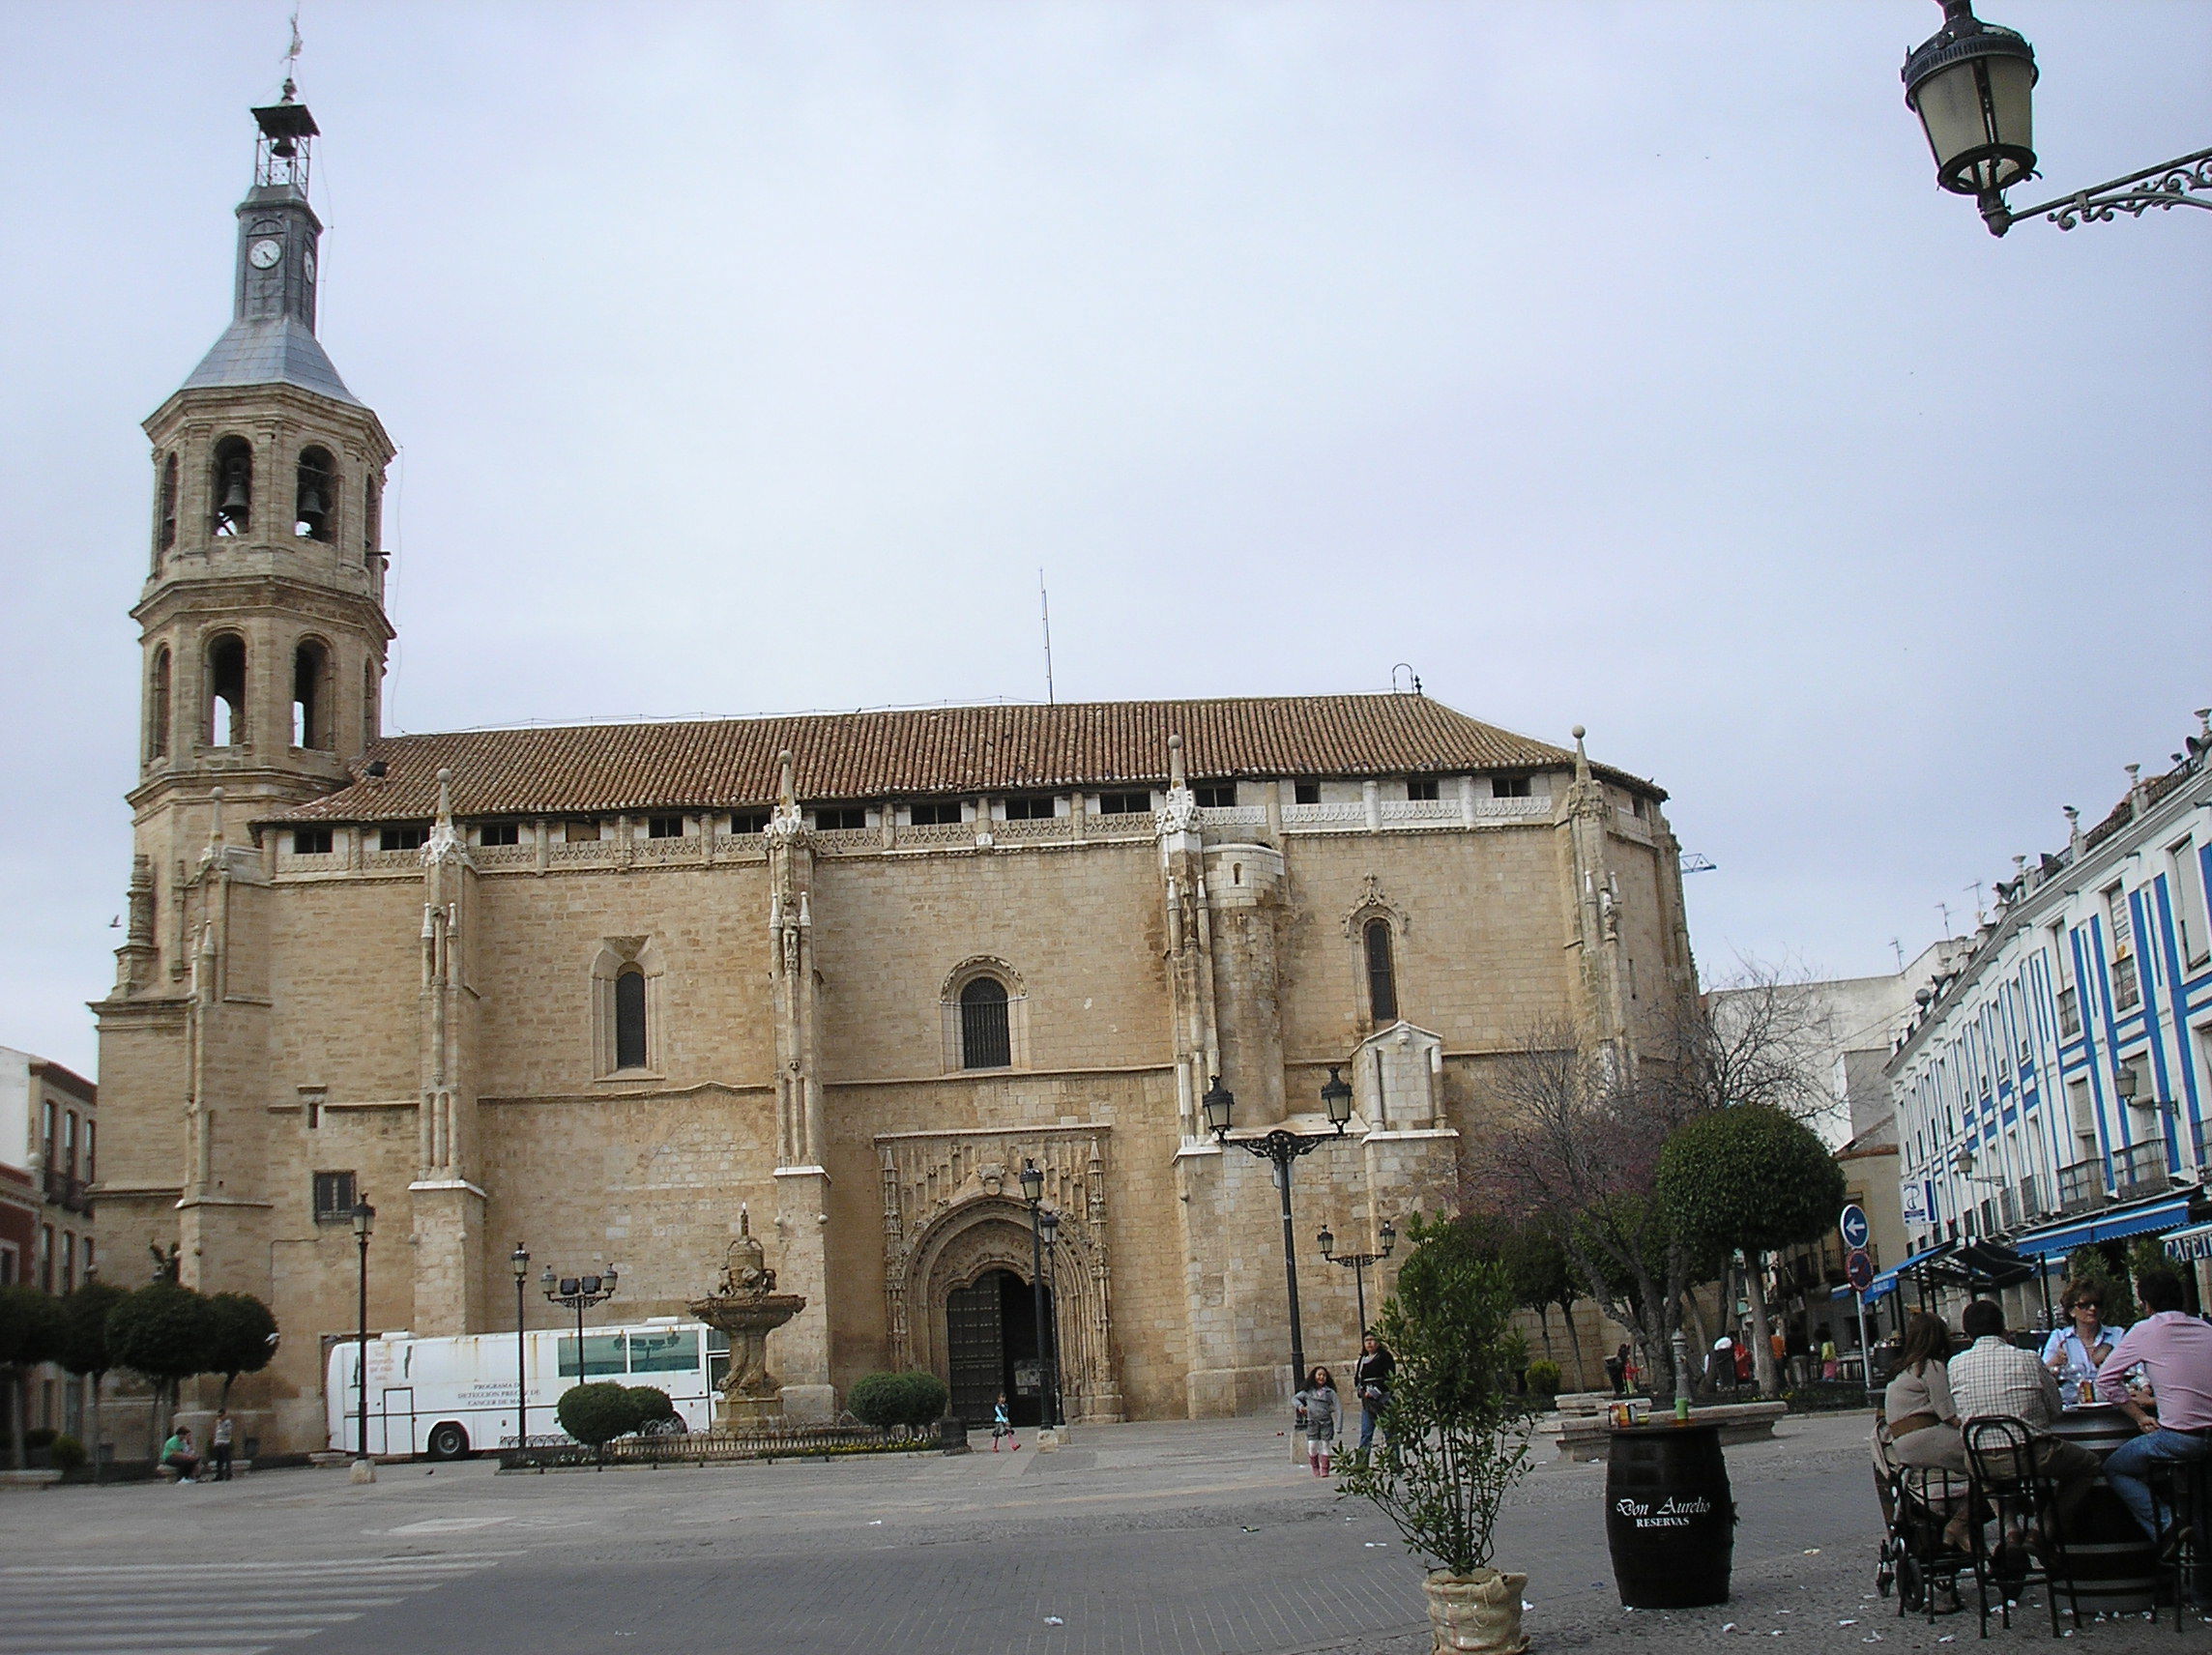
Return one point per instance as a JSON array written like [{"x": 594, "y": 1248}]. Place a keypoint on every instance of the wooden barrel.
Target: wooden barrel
[
  {"x": 2112, "y": 1562},
  {"x": 1669, "y": 1519}
]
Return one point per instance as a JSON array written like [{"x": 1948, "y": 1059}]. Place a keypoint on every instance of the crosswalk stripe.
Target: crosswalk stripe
[{"x": 131, "y": 1610}]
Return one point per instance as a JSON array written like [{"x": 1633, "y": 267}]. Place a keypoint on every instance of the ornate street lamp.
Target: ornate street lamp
[
  {"x": 519, "y": 1262},
  {"x": 1033, "y": 1192},
  {"x": 1048, "y": 1220},
  {"x": 1282, "y": 1148},
  {"x": 1357, "y": 1263},
  {"x": 1973, "y": 85},
  {"x": 579, "y": 1293},
  {"x": 364, "y": 1224}
]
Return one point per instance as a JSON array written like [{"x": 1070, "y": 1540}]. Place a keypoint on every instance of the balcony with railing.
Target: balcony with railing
[
  {"x": 2140, "y": 1169},
  {"x": 2082, "y": 1187},
  {"x": 70, "y": 1195}
]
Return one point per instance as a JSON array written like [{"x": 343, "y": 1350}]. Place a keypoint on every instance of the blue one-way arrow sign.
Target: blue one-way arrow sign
[{"x": 1853, "y": 1224}]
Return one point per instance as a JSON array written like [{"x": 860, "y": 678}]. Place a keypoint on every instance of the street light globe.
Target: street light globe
[
  {"x": 364, "y": 1219},
  {"x": 1336, "y": 1098},
  {"x": 1973, "y": 85},
  {"x": 1218, "y": 1103},
  {"x": 547, "y": 1282},
  {"x": 1327, "y": 1241},
  {"x": 1033, "y": 1182},
  {"x": 1048, "y": 1220},
  {"x": 519, "y": 1259}
]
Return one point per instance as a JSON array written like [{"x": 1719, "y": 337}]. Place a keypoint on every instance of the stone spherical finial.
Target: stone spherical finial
[
  {"x": 1580, "y": 732},
  {"x": 445, "y": 776}
]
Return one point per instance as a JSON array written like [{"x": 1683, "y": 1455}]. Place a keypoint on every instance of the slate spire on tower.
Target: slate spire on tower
[{"x": 272, "y": 339}]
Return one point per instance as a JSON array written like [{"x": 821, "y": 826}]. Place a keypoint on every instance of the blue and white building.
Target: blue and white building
[{"x": 2054, "y": 1085}]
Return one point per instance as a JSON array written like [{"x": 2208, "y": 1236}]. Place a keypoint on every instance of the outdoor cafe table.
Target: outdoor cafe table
[{"x": 2111, "y": 1557}]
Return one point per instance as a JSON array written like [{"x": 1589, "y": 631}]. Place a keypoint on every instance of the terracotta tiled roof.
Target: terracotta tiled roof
[{"x": 718, "y": 764}]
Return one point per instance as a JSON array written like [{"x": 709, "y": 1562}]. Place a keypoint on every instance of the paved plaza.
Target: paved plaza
[{"x": 1157, "y": 1539}]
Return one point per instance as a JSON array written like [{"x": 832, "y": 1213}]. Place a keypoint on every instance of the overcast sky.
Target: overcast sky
[{"x": 1617, "y": 365}]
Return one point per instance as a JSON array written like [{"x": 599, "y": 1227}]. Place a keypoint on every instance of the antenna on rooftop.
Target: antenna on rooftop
[
  {"x": 1044, "y": 608},
  {"x": 1898, "y": 948}
]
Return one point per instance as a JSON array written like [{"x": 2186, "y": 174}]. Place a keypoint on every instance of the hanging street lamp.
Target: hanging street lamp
[
  {"x": 1972, "y": 84},
  {"x": 1359, "y": 1263}
]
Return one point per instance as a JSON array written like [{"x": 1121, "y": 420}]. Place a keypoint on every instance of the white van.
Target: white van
[{"x": 447, "y": 1398}]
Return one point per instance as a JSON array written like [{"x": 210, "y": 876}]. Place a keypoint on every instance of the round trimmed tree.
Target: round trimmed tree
[{"x": 1752, "y": 1177}]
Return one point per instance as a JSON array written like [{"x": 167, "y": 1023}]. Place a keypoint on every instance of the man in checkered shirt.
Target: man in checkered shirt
[{"x": 1994, "y": 1375}]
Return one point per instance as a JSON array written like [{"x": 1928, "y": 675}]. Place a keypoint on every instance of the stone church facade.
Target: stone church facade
[{"x": 598, "y": 989}]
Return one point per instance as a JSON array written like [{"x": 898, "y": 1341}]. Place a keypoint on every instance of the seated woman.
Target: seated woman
[{"x": 1923, "y": 1421}]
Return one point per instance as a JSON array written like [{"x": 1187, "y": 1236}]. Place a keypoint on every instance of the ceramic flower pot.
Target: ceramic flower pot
[{"x": 1477, "y": 1612}]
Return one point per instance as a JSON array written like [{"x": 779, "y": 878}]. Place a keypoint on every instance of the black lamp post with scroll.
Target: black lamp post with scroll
[
  {"x": 519, "y": 1262},
  {"x": 1282, "y": 1148},
  {"x": 1972, "y": 84},
  {"x": 364, "y": 1225},
  {"x": 1357, "y": 1263}
]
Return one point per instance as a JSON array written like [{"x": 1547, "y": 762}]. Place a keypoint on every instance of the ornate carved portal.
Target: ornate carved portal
[{"x": 952, "y": 1211}]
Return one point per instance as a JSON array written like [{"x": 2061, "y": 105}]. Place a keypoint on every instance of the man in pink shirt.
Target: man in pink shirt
[{"x": 2176, "y": 1347}]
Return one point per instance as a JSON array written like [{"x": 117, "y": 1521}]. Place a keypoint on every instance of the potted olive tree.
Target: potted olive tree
[{"x": 1454, "y": 1439}]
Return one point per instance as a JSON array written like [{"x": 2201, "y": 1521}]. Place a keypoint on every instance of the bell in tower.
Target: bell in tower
[{"x": 262, "y": 620}]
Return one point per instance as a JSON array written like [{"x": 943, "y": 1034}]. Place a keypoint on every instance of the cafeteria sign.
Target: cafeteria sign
[{"x": 2191, "y": 1245}]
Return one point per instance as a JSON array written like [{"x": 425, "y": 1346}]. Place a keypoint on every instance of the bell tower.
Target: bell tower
[{"x": 262, "y": 620}]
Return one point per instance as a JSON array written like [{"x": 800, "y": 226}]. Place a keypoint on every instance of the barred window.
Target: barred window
[
  {"x": 1034, "y": 807},
  {"x": 500, "y": 833},
  {"x": 984, "y": 1039},
  {"x": 334, "y": 1197},
  {"x": 936, "y": 813},
  {"x": 629, "y": 1019},
  {"x": 1381, "y": 974},
  {"x": 1215, "y": 795},
  {"x": 1125, "y": 803}
]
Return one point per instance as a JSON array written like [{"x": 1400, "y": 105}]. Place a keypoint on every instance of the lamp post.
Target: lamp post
[
  {"x": 1282, "y": 1149},
  {"x": 1973, "y": 85},
  {"x": 1048, "y": 1220},
  {"x": 1357, "y": 1263},
  {"x": 1033, "y": 1192},
  {"x": 364, "y": 1223},
  {"x": 579, "y": 1293},
  {"x": 519, "y": 1259}
]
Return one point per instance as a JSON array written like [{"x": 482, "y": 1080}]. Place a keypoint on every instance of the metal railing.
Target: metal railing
[
  {"x": 70, "y": 1195},
  {"x": 719, "y": 1447},
  {"x": 2140, "y": 1169},
  {"x": 2082, "y": 1187}
]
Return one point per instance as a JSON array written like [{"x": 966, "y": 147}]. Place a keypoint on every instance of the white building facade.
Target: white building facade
[{"x": 2055, "y": 1088}]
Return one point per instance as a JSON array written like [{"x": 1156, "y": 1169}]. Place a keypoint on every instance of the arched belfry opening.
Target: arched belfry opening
[
  {"x": 225, "y": 679},
  {"x": 233, "y": 488},
  {"x": 315, "y": 496},
  {"x": 165, "y": 507},
  {"x": 312, "y": 719}
]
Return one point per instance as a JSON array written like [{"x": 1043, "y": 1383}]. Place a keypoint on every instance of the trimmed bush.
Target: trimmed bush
[
  {"x": 649, "y": 1406},
  {"x": 910, "y": 1398},
  {"x": 597, "y": 1413},
  {"x": 1545, "y": 1378},
  {"x": 65, "y": 1452}
]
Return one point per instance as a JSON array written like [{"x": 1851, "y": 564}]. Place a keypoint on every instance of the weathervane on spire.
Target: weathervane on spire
[{"x": 292, "y": 57}]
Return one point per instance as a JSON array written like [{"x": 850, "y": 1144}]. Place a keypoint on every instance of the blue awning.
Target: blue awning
[
  {"x": 2190, "y": 1244},
  {"x": 1888, "y": 1280},
  {"x": 1881, "y": 1284},
  {"x": 2104, "y": 1227}
]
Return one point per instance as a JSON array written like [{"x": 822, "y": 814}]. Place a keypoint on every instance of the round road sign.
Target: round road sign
[
  {"x": 1858, "y": 1269},
  {"x": 1854, "y": 1226}
]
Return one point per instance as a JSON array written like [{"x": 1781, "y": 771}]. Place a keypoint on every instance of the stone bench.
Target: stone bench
[
  {"x": 1583, "y": 1404},
  {"x": 1590, "y": 1437}
]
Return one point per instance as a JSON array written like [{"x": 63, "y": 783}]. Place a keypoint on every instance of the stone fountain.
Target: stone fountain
[{"x": 746, "y": 1307}]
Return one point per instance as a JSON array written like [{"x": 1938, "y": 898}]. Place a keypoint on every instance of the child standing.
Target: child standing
[
  {"x": 1002, "y": 1426},
  {"x": 1318, "y": 1405}
]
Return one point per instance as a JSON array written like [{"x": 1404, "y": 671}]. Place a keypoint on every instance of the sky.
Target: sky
[{"x": 1617, "y": 365}]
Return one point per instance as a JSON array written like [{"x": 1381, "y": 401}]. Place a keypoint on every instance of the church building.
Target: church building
[{"x": 599, "y": 990}]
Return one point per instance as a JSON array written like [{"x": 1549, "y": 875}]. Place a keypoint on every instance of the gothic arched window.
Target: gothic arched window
[
  {"x": 165, "y": 509},
  {"x": 233, "y": 479},
  {"x": 225, "y": 725},
  {"x": 1381, "y": 974},
  {"x": 985, "y": 1041},
  {"x": 371, "y": 518},
  {"x": 158, "y": 706},
  {"x": 315, "y": 499},
  {"x": 629, "y": 1018},
  {"x": 310, "y": 699}
]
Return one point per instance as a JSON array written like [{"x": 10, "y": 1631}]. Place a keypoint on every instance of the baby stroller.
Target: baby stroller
[{"x": 1917, "y": 1502}]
